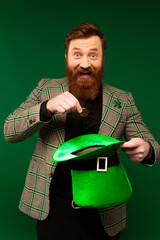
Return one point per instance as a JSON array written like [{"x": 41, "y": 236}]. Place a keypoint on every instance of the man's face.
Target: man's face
[{"x": 85, "y": 67}]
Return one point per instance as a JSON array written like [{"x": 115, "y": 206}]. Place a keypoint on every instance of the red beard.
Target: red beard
[{"x": 84, "y": 88}]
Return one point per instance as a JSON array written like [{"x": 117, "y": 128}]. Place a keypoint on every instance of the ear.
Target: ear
[{"x": 65, "y": 55}]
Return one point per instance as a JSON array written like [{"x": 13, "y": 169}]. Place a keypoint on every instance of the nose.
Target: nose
[{"x": 85, "y": 63}]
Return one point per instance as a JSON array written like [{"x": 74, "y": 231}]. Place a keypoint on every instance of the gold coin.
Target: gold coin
[{"x": 84, "y": 112}]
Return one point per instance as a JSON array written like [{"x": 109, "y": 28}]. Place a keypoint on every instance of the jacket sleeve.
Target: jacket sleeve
[
  {"x": 25, "y": 120},
  {"x": 135, "y": 127}
]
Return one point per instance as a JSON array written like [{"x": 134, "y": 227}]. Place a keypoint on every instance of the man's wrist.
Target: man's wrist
[
  {"x": 45, "y": 115},
  {"x": 150, "y": 158}
]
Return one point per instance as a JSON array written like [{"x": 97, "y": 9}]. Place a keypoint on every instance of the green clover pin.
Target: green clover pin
[{"x": 117, "y": 103}]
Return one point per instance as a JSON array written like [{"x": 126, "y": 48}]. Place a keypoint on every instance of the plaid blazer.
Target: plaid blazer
[{"x": 23, "y": 122}]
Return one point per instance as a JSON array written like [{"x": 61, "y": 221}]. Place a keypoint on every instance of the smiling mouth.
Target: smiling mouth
[{"x": 85, "y": 74}]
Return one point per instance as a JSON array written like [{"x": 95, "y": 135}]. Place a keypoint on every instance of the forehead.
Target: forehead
[{"x": 89, "y": 43}]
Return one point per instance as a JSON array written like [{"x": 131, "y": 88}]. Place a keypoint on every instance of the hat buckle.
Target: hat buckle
[{"x": 102, "y": 163}]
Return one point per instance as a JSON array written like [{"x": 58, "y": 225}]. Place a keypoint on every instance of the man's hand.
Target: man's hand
[
  {"x": 62, "y": 103},
  {"x": 136, "y": 149}
]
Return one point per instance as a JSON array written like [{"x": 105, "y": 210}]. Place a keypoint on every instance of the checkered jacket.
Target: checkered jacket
[{"x": 124, "y": 120}]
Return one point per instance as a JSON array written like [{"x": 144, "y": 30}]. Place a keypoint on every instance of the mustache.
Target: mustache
[
  {"x": 79, "y": 70},
  {"x": 79, "y": 67}
]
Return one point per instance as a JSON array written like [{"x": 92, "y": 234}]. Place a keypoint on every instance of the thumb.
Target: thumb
[{"x": 79, "y": 108}]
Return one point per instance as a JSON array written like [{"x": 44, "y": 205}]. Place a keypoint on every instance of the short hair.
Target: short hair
[{"x": 85, "y": 30}]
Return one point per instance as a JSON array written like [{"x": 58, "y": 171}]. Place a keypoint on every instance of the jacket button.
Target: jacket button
[
  {"x": 50, "y": 174},
  {"x": 32, "y": 120}
]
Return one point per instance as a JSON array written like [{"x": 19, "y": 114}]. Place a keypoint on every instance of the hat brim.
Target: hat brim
[{"x": 85, "y": 147}]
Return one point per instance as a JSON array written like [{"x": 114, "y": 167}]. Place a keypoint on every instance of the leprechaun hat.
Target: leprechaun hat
[{"x": 99, "y": 179}]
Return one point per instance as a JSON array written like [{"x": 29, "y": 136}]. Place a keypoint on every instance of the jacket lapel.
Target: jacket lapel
[{"x": 111, "y": 111}]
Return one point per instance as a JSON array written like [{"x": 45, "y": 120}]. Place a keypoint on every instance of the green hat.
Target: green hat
[{"x": 98, "y": 177}]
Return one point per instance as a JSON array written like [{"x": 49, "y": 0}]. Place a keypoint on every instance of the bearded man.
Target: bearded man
[{"x": 54, "y": 108}]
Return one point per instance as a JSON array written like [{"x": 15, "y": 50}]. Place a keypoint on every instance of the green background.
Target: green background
[{"x": 32, "y": 47}]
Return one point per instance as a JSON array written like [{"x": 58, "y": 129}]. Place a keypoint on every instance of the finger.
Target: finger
[
  {"x": 74, "y": 100},
  {"x": 79, "y": 108},
  {"x": 71, "y": 104},
  {"x": 130, "y": 150},
  {"x": 65, "y": 101},
  {"x": 134, "y": 155},
  {"x": 65, "y": 106},
  {"x": 133, "y": 143},
  {"x": 60, "y": 109}
]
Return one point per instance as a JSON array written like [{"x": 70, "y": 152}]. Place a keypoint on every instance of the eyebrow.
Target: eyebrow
[{"x": 93, "y": 49}]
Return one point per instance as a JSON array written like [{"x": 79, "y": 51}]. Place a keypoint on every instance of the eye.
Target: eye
[
  {"x": 93, "y": 55},
  {"x": 77, "y": 55}
]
